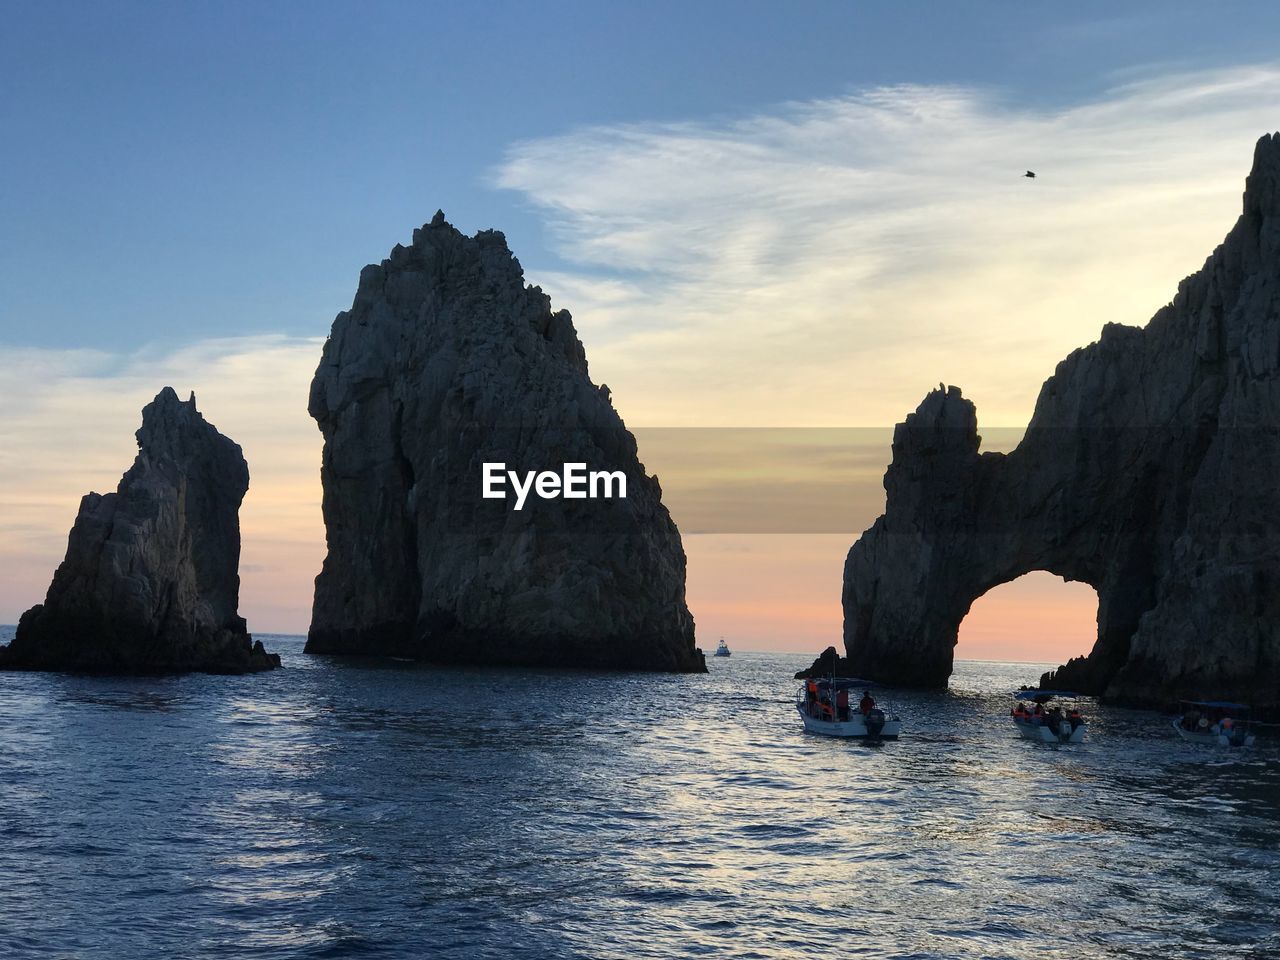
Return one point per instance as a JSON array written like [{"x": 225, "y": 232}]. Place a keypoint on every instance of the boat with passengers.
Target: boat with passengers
[
  {"x": 723, "y": 650},
  {"x": 824, "y": 706},
  {"x": 1219, "y": 723},
  {"x": 1048, "y": 716}
]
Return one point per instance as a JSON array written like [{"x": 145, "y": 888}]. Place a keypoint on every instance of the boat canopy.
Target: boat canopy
[
  {"x": 1041, "y": 695},
  {"x": 1216, "y": 704},
  {"x": 843, "y": 683}
]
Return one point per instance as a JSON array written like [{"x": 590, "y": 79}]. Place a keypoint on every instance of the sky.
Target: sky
[{"x": 792, "y": 217}]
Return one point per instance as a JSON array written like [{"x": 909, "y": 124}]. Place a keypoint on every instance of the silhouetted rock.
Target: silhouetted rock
[
  {"x": 1150, "y": 470},
  {"x": 446, "y": 361},
  {"x": 150, "y": 582},
  {"x": 828, "y": 664}
]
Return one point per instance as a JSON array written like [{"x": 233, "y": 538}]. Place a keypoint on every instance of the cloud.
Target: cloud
[
  {"x": 825, "y": 263},
  {"x": 67, "y": 428}
]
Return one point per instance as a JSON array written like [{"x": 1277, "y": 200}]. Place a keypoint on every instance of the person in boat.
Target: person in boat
[
  {"x": 828, "y": 711},
  {"x": 1055, "y": 718},
  {"x": 1075, "y": 718},
  {"x": 1038, "y": 714},
  {"x": 810, "y": 698},
  {"x": 842, "y": 705},
  {"x": 867, "y": 703}
]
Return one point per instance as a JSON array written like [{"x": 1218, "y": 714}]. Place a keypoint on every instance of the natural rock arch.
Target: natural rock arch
[
  {"x": 1150, "y": 470},
  {"x": 970, "y": 522}
]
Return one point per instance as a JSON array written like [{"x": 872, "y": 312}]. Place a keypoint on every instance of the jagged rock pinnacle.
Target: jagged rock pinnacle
[
  {"x": 150, "y": 581},
  {"x": 445, "y": 361}
]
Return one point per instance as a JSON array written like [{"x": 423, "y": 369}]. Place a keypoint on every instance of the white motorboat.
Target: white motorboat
[
  {"x": 723, "y": 649},
  {"x": 1048, "y": 721},
  {"x": 1214, "y": 723},
  {"x": 824, "y": 707}
]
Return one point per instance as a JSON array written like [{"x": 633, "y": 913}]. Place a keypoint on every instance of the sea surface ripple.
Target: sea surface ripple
[{"x": 346, "y": 808}]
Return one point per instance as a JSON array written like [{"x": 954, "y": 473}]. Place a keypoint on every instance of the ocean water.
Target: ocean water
[{"x": 387, "y": 809}]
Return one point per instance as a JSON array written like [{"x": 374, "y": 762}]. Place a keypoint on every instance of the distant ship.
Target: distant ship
[{"x": 723, "y": 649}]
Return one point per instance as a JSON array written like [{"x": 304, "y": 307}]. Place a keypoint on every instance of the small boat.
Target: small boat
[
  {"x": 1051, "y": 725},
  {"x": 723, "y": 649},
  {"x": 1217, "y": 723},
  {"x": 824, "y": 707}
]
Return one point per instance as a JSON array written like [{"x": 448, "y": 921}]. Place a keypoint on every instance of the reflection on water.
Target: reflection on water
[{"x": 339, "y": 808}]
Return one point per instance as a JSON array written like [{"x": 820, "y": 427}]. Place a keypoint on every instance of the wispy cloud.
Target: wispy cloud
[{"x": 826, "y": 262}]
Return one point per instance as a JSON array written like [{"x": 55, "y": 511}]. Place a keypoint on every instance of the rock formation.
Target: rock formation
[
  {"x": 1150, "y": 470},
  {"x": 150, "y": 582},
  {"x": 447, "y": 361}
]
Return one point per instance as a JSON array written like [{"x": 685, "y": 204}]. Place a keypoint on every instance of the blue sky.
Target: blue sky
[{"x": 172, "y": 171}]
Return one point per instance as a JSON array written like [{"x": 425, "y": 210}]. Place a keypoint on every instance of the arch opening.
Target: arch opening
[{"x": 1037, "y": 618}]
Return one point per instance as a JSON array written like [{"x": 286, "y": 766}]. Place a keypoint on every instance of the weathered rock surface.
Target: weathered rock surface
[
  {"x": 1150, "y": 470},
  {"x": 150, "y": 581},
  {"x": 446, "y": 361}
]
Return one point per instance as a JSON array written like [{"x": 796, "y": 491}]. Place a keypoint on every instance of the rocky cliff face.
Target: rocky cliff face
[
  {"x": 446, "y": 361},
  {"x": 150, "y": 581},
  {"x": 1150, "y": 470}
]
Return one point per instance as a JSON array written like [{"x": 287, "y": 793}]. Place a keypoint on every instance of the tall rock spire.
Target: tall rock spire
[
  {"x": 447, "y": 361},
  {"x": 150, "y": 581}
]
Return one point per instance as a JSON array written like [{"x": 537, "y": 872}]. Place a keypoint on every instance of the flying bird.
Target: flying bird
[{"x": 1031, "y": 174}]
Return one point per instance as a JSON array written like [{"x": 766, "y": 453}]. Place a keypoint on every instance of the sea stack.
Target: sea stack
[
  {"x": 447, "y": 362},
  {"x": 150, "y": 582},
  {"x": 1150, "y": 470}
]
